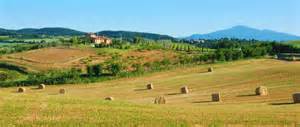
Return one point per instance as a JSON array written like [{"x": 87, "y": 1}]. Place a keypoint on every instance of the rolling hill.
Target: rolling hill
[
  {"x": 59, "y": 31},
  {"x": 244, "y": 32},
  {"x": 84, "y": 104},
  {"x": 53, "y": 31},
  {"x": 131, "y": 35}
]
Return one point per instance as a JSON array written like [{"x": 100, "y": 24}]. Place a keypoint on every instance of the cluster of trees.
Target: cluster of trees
[
  {"x": 284, "y": 48},
  {"x": 3, "y": 76},
  {"x": 112, "y": 67},
  {"x": 50, "y": 77},
  {"x": 146, "y": 44},
  {"x": 13, "y": 67},
  {"x": 14, "y": 48},
  {"x": 97, "y": 70}
]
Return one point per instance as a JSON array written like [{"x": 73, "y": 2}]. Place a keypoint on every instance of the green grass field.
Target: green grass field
[
  {"x": 84, "y": 104},
  {"x": 295, "y": 43},
  {"x": 11, "y": 75}
]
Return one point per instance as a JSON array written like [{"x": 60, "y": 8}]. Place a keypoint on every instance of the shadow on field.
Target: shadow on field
[
  {"x": 246, "y": 95},
  {"x": 283, "y": 103},
  {"x": 140, "y": 89},
  {"x": 34, "y": 88},
  {"x": 15, "y": 91},
  {"x": 201, "y": 72},
  {"x": 54, "y": 94},
  {"x": 173, "y": 94},
  {"x": 201, "y": 101}
]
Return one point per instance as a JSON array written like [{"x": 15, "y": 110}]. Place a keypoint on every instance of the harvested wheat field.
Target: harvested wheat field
[
  {"x": 49, "y": 58},
  {"x": 83, "y": 105}
]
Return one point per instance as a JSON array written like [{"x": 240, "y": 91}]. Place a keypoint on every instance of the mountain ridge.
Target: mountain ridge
[
  {"x": 245, "y": 32},
  {"x": 56, "y": 31},
  {"x": 239, "y": 32}
]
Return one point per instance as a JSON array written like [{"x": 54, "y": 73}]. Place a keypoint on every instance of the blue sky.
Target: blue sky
[{"x": 173, "y": 17}]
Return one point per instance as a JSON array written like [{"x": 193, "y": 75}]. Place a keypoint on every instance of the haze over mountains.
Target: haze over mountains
[
  {"x": 244, "y": 32},
  {"x": 240, "y": 32}
]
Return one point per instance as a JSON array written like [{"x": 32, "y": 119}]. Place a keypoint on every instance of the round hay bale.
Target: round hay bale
[
  {"x": 296, "y": 97},
  {"x": 210, "y": 69},
  {"x": 160, "y": 100},
  {"x": 62, "y": 91},
  {"x": 109, "y": 98},
  {"x": 184, "y": 90},
  {"x": 42, "y": 86},
  {"x": 275, "y": 57},
  {"x": 294, "y": 58},
  {"x": 21, "y": 90},
  {"x": 216, "y": 97},
  {"x": 150, "y": 86},
  {"x": 261, "y": 91}
]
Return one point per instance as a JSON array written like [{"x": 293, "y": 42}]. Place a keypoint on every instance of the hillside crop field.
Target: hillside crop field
[
  {"x": 78, "y": 57},
  {"x": 48, "y": 58},
  {"x": 84, "y": 104},
  {"x": 294, "y": 43}
]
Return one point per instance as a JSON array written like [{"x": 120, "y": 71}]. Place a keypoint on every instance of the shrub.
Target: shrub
[
  {"x": 3, "y": 76},
  {"x": 115, "y": 68}
]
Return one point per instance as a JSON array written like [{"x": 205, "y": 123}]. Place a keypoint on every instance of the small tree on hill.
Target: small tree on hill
[
  {"x": 115, "y": 68},
  {"x": 97, "y": 69}
]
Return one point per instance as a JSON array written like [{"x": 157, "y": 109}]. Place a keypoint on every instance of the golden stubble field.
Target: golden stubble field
[
  {"x": 75, "y": 57},
  {"x": 84, "y": 104}
]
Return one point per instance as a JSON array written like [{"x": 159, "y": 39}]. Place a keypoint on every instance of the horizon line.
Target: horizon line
[{"x": 122, "y": 30}]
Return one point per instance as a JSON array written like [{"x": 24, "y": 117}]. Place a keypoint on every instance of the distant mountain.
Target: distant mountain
[
  {"x": 244, "y": 32},
  {"x": 131, "y": 35}
]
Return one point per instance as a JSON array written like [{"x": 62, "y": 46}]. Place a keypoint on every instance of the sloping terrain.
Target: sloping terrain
[
  {"x": 84, "y": 104},
  {"x": 48, "y": 58},
  {"x": 67, "y": 58}
]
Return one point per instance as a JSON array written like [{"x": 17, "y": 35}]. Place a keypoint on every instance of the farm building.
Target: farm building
[{"x": 99, "y": 39}]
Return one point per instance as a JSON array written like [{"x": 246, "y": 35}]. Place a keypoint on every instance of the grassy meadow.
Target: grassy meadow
[
  {"x": 84, "y": 104},
  {"x": 294, "y": 43}
]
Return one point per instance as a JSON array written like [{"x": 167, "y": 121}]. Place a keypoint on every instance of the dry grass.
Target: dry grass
[
  {"x": 66, "y": 58},
  {"x": 49, "y": 58},
  {"x": 236, "y": 81},
  {"x": 160, "y": 100}
]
